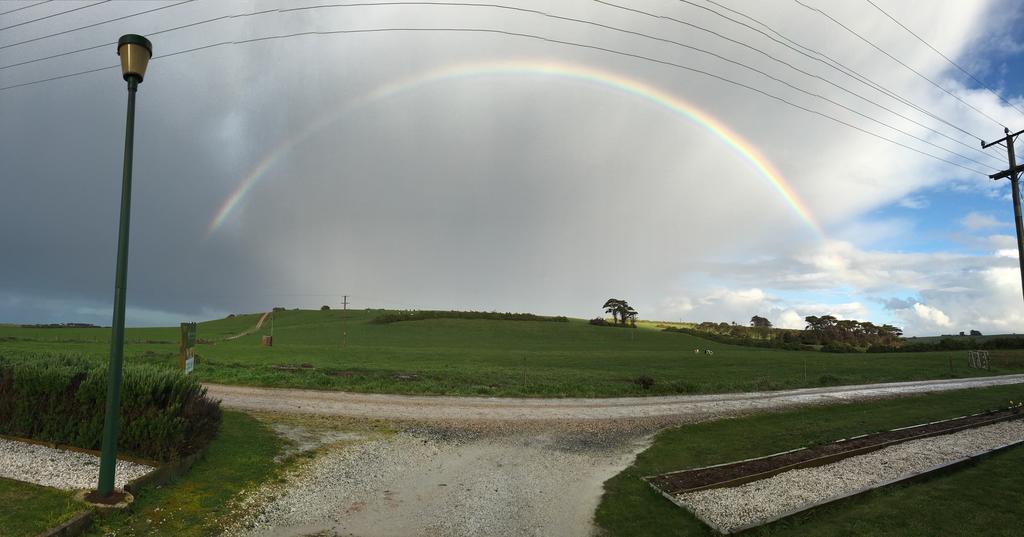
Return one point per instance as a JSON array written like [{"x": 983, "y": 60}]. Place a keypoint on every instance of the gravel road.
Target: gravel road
[
  {"x": 681, "y": 408},
  {"x": 463, "y": 466}
]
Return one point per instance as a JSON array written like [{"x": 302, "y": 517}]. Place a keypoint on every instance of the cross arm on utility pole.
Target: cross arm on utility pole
[
  {"x": 1001, "y": 140},
  {"x": 1008, "y": 173}
]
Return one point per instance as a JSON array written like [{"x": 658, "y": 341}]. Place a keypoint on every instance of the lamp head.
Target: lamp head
[{"x": 135, "y": 52}]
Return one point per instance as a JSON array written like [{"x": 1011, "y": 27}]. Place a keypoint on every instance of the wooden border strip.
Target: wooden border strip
[{"x": 826, "y": 459}]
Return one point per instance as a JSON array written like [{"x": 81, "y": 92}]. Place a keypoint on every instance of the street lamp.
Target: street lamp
[{"x": 135, "y": 52}]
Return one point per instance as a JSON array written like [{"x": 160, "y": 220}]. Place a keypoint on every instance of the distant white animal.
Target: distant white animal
[
  {"x": 696, "y": 351},
  {"x": 709, "y": 352}
]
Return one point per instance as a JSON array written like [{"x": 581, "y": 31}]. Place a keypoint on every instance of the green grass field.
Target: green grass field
[
  {"x": 31, "y": 509},
  {"x": 492, "y": 358},
  {"x": 982, "y": 499}
]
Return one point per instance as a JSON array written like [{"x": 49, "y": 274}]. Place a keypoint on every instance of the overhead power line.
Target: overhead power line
[
  {"x": 93, "y": 25},
  {"x": 637, "y": 34},
  {"x": 948, "y": 60},
  {"x": 897, "y": 60},
  {"x": 540, "y": 38},
  {"x": 53, "y": 15},
  {"x": 23, "y": 7},
  {"x": 824, "y": 59},
  {"x": 663, "y": 40},
  {"x": 757, "y": 50},
  {"x": 831, "y": 62}
]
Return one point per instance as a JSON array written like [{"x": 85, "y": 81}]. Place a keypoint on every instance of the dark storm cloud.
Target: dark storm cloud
[{"x": 523, "y": 191}]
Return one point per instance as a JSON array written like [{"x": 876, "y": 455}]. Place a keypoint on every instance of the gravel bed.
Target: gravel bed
[
  {"x": 760, "y": 501},
  {"x": 441, "y": 482},
  {"x": 58, "y": 468}
]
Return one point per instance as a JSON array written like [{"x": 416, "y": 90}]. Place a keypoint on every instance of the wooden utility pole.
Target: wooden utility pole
[
  {"x": 1013, "y": 172},
  {"x": 344, "y": 313}
]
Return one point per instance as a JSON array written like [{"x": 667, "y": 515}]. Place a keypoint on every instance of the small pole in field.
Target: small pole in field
[
  {"x": 805, "y": 370},
  {"x": 524, "y": 373}
]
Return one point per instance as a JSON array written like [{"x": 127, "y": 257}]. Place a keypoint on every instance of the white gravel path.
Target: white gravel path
[
  {"x": 442, "y": 484},
  {"x": 736, "y": 507},
  {"x": 58, "y": 468},
  {"x": 677, "y": 409}
]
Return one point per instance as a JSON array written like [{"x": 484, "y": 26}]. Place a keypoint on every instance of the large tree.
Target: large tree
[
  {"x": 760, "y": 322},
  {"x": 621, "y": 311},
  {"x": 613, "y": 306}
]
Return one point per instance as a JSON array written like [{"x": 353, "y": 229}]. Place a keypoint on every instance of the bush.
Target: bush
[
  {"x": 598, "y": 321},
  {"x": 644, "y": 382},
  {"x": 325, "y": 307},
  {"x": 165, "y": 414}
]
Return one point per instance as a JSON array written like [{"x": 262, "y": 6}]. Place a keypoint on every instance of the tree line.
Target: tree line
[{"x": 826, "y": 332}]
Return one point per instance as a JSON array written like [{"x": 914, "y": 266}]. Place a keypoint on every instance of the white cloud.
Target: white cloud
[
  {"x": 913, "y": 202},
  {"x": 932, "y": 315},
  {"x": 975, "y": 221}
]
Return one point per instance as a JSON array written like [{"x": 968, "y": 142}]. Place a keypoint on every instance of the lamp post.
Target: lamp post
[{"x": 135, "y": 52}]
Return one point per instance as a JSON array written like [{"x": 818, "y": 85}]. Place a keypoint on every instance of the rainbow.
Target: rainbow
[{"x": 526, "y": 67}]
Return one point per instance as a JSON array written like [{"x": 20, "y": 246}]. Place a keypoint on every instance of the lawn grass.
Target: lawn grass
[
  {"x": 241, "y": 457},
  {"x": 984, "y": 499},
  {"x": 28, "y": 509},
  {"x": 493, "y": 358}
]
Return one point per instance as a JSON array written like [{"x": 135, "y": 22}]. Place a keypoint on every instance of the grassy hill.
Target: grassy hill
[{"x": 490, "y": 357}]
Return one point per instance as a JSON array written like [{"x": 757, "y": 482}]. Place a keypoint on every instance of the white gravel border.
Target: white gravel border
[
  {"x": 734, "y": 508},
  {"x": 58, "y": 468}
]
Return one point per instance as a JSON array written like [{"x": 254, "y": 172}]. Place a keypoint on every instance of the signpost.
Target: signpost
[{"x": 186, "y": 347}]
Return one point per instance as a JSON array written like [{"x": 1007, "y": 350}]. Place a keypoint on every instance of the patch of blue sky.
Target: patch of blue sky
[{"x": 950, "y": 218}]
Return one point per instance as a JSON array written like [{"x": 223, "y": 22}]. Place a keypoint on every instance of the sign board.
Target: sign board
[{"x": 186, "y": 347}]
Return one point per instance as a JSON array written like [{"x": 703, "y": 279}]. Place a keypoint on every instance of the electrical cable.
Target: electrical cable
[
  {"x": 655, "y": 38},
  {"x": 23, "y": 7},
  {"x": 92, "y": 26},
  {"x": 897, "y": 60},
  {"x": 540, "y": 38},
  {"x": 824, "y": 59},
  {"x": 795, "y": 68},
  {"x": 948, "y": 60},
  {"x": 53, "y": 15},
  {"x": 638, "y": 34}
]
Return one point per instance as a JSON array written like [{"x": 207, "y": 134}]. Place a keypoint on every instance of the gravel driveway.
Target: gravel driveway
[{"x": 485, "y": 466}]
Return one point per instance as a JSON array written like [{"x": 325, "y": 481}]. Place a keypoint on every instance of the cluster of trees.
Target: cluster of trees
[
  {"x": 827, "y": 330},
  {"x": 621, "y": 311}
]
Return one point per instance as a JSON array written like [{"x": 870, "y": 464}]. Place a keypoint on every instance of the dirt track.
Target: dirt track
[{"x": 469, "y": 409}]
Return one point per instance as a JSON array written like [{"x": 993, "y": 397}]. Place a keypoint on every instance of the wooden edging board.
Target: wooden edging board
[
  {"x": 810, "y": 505},
  {"x": 917, "y": 475},
  {"x": 76, "y": 526},
  {"x": 827, "y": 459}
]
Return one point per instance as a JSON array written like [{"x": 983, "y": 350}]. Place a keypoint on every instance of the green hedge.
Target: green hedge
[
  {"x": 165, "y": 414},
  {"x": 421, "y": 315}
]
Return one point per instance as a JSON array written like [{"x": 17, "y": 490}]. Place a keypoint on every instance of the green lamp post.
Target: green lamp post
[{"x": 135, "y": 52}]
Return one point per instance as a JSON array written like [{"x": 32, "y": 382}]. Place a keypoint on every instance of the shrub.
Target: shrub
[
  {"x": 325, "y": 307},
  {"x": 644, "y": 381},
  {"x": 165, "y": 414},
  {"x": 598, "y": 321}
]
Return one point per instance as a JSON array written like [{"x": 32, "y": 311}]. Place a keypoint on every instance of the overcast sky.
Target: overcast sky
[{"x": 482, "y": 170}]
